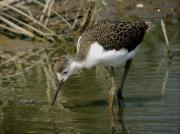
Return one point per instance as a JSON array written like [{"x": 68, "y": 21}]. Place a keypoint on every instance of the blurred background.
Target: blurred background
[{"x": 33, "y": 33}]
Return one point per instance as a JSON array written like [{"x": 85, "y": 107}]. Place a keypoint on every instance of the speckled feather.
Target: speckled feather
[
  {"x": 112, "y": 35},
  {"x": 61, "y": 63}
]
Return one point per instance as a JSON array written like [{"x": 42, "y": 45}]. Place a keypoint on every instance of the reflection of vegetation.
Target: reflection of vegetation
[
  {"x": 18, "y": 71},
  {"x": 117, "y": 122},
  {"x": 165, "y": 64},
  {"x": 163, "y": 89},
  {"x": 42, "y": 20},
  {"x": 48, "y": 20},
  {"x": 18, "y": 64}
]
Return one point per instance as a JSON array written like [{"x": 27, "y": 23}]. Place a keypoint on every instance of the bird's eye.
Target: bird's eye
[{"x": 65, "y": 72}]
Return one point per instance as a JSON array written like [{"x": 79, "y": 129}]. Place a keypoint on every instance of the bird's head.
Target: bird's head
[{"x": 64, "y": 67}]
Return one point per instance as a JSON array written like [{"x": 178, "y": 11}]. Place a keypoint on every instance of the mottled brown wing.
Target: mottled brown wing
[{"x": 113, "y": 36}]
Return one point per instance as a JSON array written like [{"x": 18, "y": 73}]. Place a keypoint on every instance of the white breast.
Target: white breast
[{"x": 98, "y": 55}]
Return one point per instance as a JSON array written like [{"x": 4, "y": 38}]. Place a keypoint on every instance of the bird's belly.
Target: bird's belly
[
  {"x": 116, "y": 57},
  {"x": 98, "y": 55},
  {"x": 117, "y": 60}
]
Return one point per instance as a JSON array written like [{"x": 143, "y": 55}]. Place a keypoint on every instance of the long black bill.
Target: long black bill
[{"x": 57, "y": 91}]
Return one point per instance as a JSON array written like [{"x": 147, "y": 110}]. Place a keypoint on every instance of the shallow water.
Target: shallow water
[
  {"x": 151, "y": 107},
  {"x": 151, "y": 91}
]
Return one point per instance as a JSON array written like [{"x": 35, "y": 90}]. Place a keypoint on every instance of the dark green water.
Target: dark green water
[
  {"x": 150, "y": 107},
  {"x": 152, "y": 89}
]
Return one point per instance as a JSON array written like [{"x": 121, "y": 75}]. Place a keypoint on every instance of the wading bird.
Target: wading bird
[{"x": 107, "y": 44}]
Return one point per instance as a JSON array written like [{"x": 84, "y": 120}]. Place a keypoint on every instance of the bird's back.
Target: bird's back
[{"x": 112, "y": 35}]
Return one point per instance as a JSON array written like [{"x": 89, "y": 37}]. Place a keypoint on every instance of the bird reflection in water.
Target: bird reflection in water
[{"x": 117, "y": 121}]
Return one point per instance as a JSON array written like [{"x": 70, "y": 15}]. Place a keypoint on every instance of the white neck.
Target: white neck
[{"x": 76, "y": 65}]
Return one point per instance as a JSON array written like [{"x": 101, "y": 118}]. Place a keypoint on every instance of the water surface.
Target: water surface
[
  {"x": 151, "y": 93},
  {"x": 151, "y": 107}
]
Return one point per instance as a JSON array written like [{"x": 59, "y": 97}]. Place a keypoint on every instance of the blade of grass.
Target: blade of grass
[
  {"x": 29, "y": 26},
  {"x": 164, "y": 32},
  {"x": 169, "y": 52},
  {"x": 30, "y": 17},
  {"x": 44, "y": 10},
  {"x": 49, "y": 12},
  {"x": 58, "y": 15},
  {"x": 8, "y": 2},
  {"x": 18, "y": 28},
  {"x": 10, "y": 29}
]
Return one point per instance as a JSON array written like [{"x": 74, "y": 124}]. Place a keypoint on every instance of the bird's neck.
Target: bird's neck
[{"x": 76, "y": 65}]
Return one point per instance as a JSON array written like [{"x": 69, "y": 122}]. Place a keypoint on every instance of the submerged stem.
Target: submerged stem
[{"x": 169, "y": 52}]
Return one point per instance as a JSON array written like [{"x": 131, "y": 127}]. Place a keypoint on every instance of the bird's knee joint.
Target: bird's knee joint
[{"x": 112, "y": 91}]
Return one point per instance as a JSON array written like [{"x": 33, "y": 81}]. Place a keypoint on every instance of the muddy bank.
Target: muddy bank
[{"x": 153, "y": 10}]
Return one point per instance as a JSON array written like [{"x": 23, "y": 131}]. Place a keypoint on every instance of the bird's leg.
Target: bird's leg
[
  {"x": 119, "y": 92},
  {"x": 112, "y": 90},
  {"x": 111, "y": 100}
]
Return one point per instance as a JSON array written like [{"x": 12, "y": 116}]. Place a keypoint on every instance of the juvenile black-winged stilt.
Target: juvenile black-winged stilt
[{"x": 108, "y": 44}]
